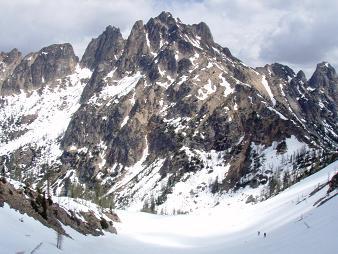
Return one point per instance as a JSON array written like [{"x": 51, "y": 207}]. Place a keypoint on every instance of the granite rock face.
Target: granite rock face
[
  {"x": 168, "y": 114},
  {"x": 8, "y": 61},
  {"x": 172, "y": 98},
  {"x": 38, "y": 69},
  {"x": 325, "y": 79},
  {"x": 106, "y": 48}
]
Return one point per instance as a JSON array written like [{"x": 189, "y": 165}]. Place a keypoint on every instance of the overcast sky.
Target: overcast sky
[{"x": 298, "y": 33}]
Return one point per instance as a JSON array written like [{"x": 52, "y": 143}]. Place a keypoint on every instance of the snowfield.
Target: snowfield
[{"x": 292, "y": 223}]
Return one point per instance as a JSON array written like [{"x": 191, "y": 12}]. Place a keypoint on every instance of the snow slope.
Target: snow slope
[
  {"x": 48, "y": 111},
  {"x": 292, "y": 224}
]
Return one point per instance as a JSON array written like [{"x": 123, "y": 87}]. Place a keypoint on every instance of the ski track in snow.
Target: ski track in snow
[{"x": 291, "y": 227}]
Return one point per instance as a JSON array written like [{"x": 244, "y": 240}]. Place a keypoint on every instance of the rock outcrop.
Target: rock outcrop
[
  {"x": 42, "y": 208},
  {"x": 8, "y": 61}
]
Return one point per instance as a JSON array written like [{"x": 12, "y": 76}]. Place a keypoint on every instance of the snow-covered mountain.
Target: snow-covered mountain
[
  {"x": 294, "y": 222},
  {"x": 166, "y": 120}
]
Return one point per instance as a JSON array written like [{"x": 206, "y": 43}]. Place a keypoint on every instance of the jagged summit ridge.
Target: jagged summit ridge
[
  {"x": 186, "y": 101},
  {"x": 325, "y": 78},
  {"x": 35, "y": 70},
  {"x": 167, "y": 114},
  {"x": 163, "y": 43},
  {"x": 106, "y": 47}
]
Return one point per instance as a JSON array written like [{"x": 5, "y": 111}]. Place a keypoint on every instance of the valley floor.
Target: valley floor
[{"x": 291, "y": 221}]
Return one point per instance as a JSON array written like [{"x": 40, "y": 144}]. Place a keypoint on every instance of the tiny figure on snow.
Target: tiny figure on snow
[
  {"x": 264, "y": 235},
  {"x": 333, "y": 184},
  {"x": 258, "y": 233}
]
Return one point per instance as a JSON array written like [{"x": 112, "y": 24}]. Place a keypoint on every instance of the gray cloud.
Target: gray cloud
[
  {"x": 298, "y": 33},
  {"x": 31, "y": 24},
  {"x": 304, "y": 36}
]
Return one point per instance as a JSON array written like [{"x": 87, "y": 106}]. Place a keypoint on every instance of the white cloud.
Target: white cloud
[
  {"x": 299, "y": 33},
  {"x": 32, "y": 24},
  {"x": 304, "y": 36}
]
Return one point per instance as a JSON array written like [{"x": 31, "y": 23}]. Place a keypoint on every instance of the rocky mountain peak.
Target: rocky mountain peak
[
  {"x": 166, "y": 28},
  {"x": 297, "y": 85},
  {"x": 326, "y": 68},
  {"x": 325, "y": 80},
  {"x": 10, "y": 57},
  {"x": 165, "y": 17},
  {"x": 136, "y": 52},
  {"x": 301, "y": 76},
  {"x": 8, "y": 61},
  {"x": 168, "y": 105},
  {"x": 107, "y": 47},
  {"x": 163, "y": 43},
  {"x": 282, "y": 71},
  {"x": 37, "y": 69},
  {"x": 160, "y": 30},
  {"x": 58, "y": 51},
  {"x": 112, "y": 29},
  {"x": 52, "y": 62},
  {"x": 278, "y": 70},
  {"x": 323, "y": 76},
  {"x": 136, "y": 29},
  {"x": 203, "y": 31}
]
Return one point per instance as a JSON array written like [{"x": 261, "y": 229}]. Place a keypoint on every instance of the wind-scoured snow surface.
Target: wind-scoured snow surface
[
  {"x": 292, "y": 224},
  {"x": 41, "y": 118}
]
